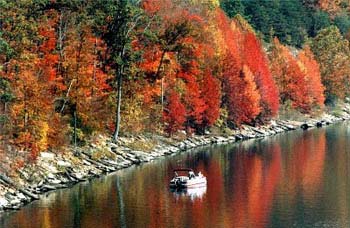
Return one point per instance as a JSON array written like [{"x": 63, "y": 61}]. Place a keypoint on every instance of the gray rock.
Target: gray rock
[
  {"x": 3, "y": 202},
  {"x": 47, "y": 156},
  {"x": 64, "y": 164}
]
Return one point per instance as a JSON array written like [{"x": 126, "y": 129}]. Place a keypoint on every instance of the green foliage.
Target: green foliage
[
  {"x": 5, "y": 48},
  {"x": 289, "y": 20},
  {"x": 332, "y": 51},
  {"x": 3, "y": 119},
  {"x": 120, "y": 28},
  {"x": 83, "y": 131},
  {"x": 5, "y": 91},
  {"x": 232, "y": 7},
  {"x": 321, "y": 20},
  {"x": 221, "y": 122},
  {"x": 292, "y": 21},
  {"x": 342, "y": 21}
]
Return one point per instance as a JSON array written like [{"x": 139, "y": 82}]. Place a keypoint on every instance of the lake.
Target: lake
[{"x": 296, "y": 179}]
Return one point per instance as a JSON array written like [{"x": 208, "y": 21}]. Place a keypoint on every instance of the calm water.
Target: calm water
[{"x": 298, "y": 179}]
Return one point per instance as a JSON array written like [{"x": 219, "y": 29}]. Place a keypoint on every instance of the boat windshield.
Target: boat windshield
[{"x": 184, "y": 172}]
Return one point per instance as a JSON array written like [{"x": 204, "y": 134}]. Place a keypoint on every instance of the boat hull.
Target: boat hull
[{"x": 194, "y": 183}]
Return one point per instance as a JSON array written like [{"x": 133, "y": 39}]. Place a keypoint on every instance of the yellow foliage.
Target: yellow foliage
[
  {"x": 242, "y": 24},
  {"x": 102, "y": 153},
  {"x": 43, "y": 129},
  {"x": 142, "y": 145},
  {"x": 213, "y": 4},
  {"x": 133, "y": 115}
]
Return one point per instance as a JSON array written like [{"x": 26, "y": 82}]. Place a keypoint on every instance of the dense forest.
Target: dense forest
[{"x": 73, "y": 69}]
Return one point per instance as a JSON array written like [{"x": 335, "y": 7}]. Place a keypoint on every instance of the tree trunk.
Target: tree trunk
[
  {"x": 75, "y": 130},
  {"x": 119, "y": 98},
  {"x": 162, "y": 94}
]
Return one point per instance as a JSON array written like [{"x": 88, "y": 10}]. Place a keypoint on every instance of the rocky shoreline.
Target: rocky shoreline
[{"x": 55, "y": 171}]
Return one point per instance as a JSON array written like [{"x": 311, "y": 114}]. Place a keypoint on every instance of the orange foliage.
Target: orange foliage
[
  {"x": 311, "y": 69},
  {"x": 291, "y": 80},
  {"x": 243, "y": 97},
  {"x": 31, "y": 113},
  {"x": 331, "y": 6},
  {"x": 89, "y": 89},
  {"x": 231, "y": 37},
  {"x": 195, "y": 53},
  {"x": 241, "y": 92}
]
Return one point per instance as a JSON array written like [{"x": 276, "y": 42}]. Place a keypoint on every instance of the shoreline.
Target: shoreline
[{"x": 56, "y": 171}]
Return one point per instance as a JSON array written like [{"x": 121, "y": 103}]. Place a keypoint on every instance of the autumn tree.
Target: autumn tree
[
  {"x": 211, "y": 95},
  {"x": 255, "y": 58},
  {"x": 21, "y": 71},
  {"x": 311, "y": 69},
  {"x": 332, "y": 52},
  {"x": 291, "y": 80},
  {"x": 171, "y": 31},
  {"x": 174, "y": 113},
  {"x": 121, "y": 25},
  {"x": 176, "y": 52},
  {"x": 195, "y": 105},
  {"x": 242, "y": 96}
]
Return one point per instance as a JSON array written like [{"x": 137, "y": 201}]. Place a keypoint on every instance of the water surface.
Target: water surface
[{"x": 297, "y": 179}]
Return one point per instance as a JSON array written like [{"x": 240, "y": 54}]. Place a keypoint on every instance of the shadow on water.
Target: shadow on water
[{"x": 298, "y": 179}]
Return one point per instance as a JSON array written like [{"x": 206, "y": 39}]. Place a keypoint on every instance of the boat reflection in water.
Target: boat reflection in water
[{"x": 191, "y": 193}]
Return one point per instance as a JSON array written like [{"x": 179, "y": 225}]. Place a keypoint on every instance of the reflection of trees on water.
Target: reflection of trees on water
[
  {"x": 255, "y": 179},
  {"x": 121, "y": 204},
  {"x": 304, "y": 165}
]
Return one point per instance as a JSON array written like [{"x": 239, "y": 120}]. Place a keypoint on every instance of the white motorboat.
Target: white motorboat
[{"x": 190, "y": 180}]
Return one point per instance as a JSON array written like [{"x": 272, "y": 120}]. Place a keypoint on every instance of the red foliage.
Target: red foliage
[
  {"x": 255, "y": 58},
  {"x": 211, "y": 95},
  {"x": 243, "y": 98},
  {"x": 154, "y": 6},
  {"x": 195, "y": 105},
  {"x": 175, "y": 113}
]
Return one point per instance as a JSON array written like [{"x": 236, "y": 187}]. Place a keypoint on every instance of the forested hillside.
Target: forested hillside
[
  {"x": 292, "y": 21},
  {"x": 73, "y": 69}
]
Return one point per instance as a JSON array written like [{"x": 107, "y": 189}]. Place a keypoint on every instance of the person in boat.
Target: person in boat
[{"x": 191, "y": 174}]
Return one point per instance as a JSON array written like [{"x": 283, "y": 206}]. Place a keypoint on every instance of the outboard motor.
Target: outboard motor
[{"x": 178, "y": 183}]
